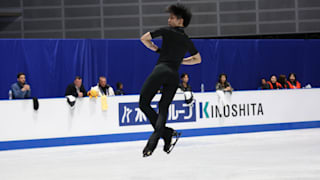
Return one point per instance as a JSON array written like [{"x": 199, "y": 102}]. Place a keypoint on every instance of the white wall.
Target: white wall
[{"x": 55, "y": 118}]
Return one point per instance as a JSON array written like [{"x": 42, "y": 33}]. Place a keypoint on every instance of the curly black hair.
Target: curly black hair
[{"x": 181, "y": 11}]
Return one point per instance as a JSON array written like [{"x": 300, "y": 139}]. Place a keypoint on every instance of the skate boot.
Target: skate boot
[
  {"x": 168, "y": 145},
  {"x": 146, "y": 152}
]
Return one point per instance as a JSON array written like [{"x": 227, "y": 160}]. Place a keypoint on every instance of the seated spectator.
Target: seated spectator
[
  {"x": 264, "y": 84},
  {"x": 76, "y": 88},
  {"x": 273, "y": 84},
  {"x": 283, "y": 81},
  {"x": 20, "y": 89},
  {"x": 184, "y": 86},
  {"x": 222, "y": 87},
  {"x": 119, "y": 90},
  {"x": 223, "y": 84},
  {"x": 103, "y": 88},
  {"x": 293, "y": 83}
]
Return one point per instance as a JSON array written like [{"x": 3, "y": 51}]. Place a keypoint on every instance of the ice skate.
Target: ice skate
[
  {"x": 146, "y": 152},
  {"x": 168, "y": 146}
]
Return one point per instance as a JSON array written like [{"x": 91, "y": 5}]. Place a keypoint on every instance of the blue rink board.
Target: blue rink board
[{"x": 110, "y": 138}]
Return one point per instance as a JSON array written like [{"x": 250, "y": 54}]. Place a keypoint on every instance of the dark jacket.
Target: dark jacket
[
  {"x": 17, "y": 93},
  {"x": 285, "y": 85},
  {"x": 71, "y": 90},
  {"x": 119, "y": 92},
  {"x": 188, "y": 88},
  {"x": 220, "y": 86}
]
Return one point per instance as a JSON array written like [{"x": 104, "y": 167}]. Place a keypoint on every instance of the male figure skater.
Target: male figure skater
[{"x": 175, "y": 45}]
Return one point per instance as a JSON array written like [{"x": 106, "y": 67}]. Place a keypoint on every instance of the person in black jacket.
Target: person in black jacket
[
  {"x": 184, "y": 85},
  {"x": 223, "y": 84},
  {"x": 119, "y": 90},
  {"x": 76, "y": 88}
]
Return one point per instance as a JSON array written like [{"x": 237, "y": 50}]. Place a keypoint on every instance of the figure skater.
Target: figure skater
[{"x": 175, "y": 44}]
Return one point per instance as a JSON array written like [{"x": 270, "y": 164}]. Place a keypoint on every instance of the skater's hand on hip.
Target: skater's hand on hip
[{"x": 146, "y": 40}]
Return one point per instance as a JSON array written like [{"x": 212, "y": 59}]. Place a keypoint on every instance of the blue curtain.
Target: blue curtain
[{"x": 50, "y": 65}]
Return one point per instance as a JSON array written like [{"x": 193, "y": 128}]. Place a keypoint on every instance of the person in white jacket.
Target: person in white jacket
[{"x": 103, "y": 88}]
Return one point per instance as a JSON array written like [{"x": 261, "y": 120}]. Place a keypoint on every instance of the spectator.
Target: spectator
[
  {"x": 264, "y": 84},
  {"x": 184, "y": 86},
  {"x": 20, "y": 89},
  {"x": 223, "y": 84},
  {"x": 283, "y": 81},
  {"x": 119, "y": 90},
  {"x": 76, "y": 88},
  {"x": 293, "y": 83},
  {"x": 222, "y": 87},
  {"x": 103, "y": 88},
  {"x": 273, "y": 84}
]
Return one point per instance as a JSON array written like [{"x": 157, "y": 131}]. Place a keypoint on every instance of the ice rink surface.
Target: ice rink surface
[{"x": 276, "y": 155}]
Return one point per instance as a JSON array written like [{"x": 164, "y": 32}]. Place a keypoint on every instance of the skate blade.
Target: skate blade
[{"x": 175, "y": 142}]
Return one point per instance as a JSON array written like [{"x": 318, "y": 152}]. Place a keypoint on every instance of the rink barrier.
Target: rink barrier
[
  {"x": 125, "y": 137},
  {"x": 55, "y": 123}
]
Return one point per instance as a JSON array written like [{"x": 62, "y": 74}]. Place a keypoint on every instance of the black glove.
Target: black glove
[{"x": 35, "y": 103}]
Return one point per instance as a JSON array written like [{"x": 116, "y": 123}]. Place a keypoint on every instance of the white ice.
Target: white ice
[{"x": 255, "y": 156}]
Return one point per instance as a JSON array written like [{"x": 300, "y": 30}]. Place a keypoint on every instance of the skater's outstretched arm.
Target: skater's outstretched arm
[
  {"x": 146, "y": 40},
  {"x": 195, "y": 59}
]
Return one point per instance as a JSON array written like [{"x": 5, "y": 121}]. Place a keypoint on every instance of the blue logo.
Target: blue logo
[{"x": 131, "y": 114}]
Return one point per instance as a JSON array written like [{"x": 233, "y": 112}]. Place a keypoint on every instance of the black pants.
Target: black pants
[{"x": 168, "y": 78}]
